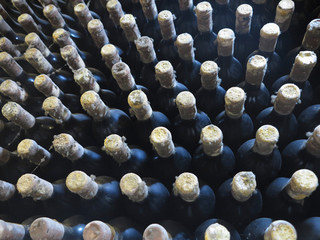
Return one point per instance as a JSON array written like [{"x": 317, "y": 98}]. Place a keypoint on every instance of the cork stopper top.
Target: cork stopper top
[
  {"x": 110, "y": 55},
  {"x": 145, "y": 48},
  {"x": 85, "y": 79},
  {"x": 115, "y": 146},
  {"x": 216, "y": 231},
  {"x": 184, "y": 44},
  {"x": 15, "y": 113},
  {"x": 267, "y": 137},
  {"x": 4, "y": 156},
  {"x": 211, "y": 138},
  {"x": 115, "y": 10},
  {"x": 133, "y": 187},
  {"x": 82, "y": 12},
  {"x": 62, "y": 38},
  {"x": 165, "y": 19},
  {"x": 34, "y": 41},
  {"x": 55, "y": 108},
  {"x": 303, "y": 65},
  {"x": 313, "y": 143},
  {"x": 165, "y": 74},
  {"x": 44, "y": 84},
  {"x": 7, "y": 46},
  {"x": 130, "y": 28},
  {"x": 284, "y": 14},
  {"x": 234, "y": 102},
  {"x": 256, "y": 70},
  {"x": 243, "y": 186},
  {"x": 46, "y": 228},
  {"x": 97, "y": 230},
  {"x": 268, "y": 37},
  {"x": 161, "y": 139},
  {"x": 12, "y": 231},
  {"x": 140, "y": 105},
  {"x": 27, "y": 23},
  {"x": 12, "y": 90},
  {"x": 311, "y": 39},
  {"x": 52, "y": 13},
  {"x": 225, "y": 41},
  {"x": 243, "y": 18},
  {"x": 22, "y": 6},
  {"x": 69, "y": 148},
  {"x": 29, "y": 149},
  {"x": 204, "y": 16},
  {"x": 209, "y": 75},
  {"x": 280, "y": 230},
  {"x": 287, "y": 98},
  {"x": 38, "y": 61},
  {"x": 9, "y": 65},
  {"x": 97, "y": 32},
  {"x": 156, "y": 231},
  {"x": 185, "y": 5},
  {"x": 149, "y": 9},
  {"x": 302, "y": 184},
  {"x": 7, "y": 191},
  {"x": 186, "y": 103},
  {"x": 121, "y": 72},
  {"x": 93, "y": 105},
  {"x": 70, "y": 54},
  {"x": 187, "y": 186}
]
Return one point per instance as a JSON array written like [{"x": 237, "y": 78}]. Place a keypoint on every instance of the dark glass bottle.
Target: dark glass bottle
[
  {"x": 187, "y": 22},
  {"x": 261, "y": 16},
  {"x": 308, "y": 120},
  {"x": 14, "y": 231},
  {"x": 8, "y": 32},
  {"x": 13, "y": 135},
  {"x": 223, "y": 17},
  {"x": 308, "y": 229},
  {"x": 136, "y": 11},
  {"x": 10, "y": 19}
]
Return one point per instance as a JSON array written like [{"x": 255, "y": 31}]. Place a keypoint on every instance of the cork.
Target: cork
[
  {"x": 284, "y": 12},
  {"x": 225, "y": 41},
  {"x": 209, "y": 75},
  {"x": 302, "y": 184},
  {"x": 38, "y": 61},
  {"x": 9, "y": 65},
  {"x": 7, "y": 46},
  {"x": 13, "y": 112},
  {"x": 303, "y": 65},
  {"x": 4, "y": 27},
  {"x": 93, "y": 105},
  {"x": 62, "y": 38},
  {"x": 52, "y": 13},
  {"x": 7, "y": 191},
  {"x": 256, "y": 70},
  {"x": 268, "y": 37},
  {"x": 204, "y": 17},
  {"x": 54, "y": 107},
  {"x": 27, "y": 23},
  {"x": 85, "y": 79},
  {"x": 211, "y": 138},
  {"x": 29, "y": 185},
  {"x": 140, "y": 105},
  {"x": 259, "y": 2},
  {"x": 313, "y": 142},
  {"x": 186, "y": 103},
  {"x": 165, "y": 19},
  {"x": 279, "y": 230},
  {"x": 165, "y": 74},
  {"x": 243, "y": 186},
  {"x": 287, "y": 98},
  {"x": 22, "y": 6},
  {"x": 115, "y": 146},
  {"x": 149, "y": 9},
  {"x": 121, "y": 73},
  {"x": 217, "y": 231},
  {"x": 156, "y": 231},
  {"x": 29, "y": 149},
  {"x": 70, "y": 54},
  {"x": 187, "y": 186},
  {"x": 267, "y": 137},
  {"x": 130, "y": 27},
  {"x": 184, "y": 44},
  {"x": 161, "y": 139},
  {"x": 222, "y": 2},
  {"x": 311, "y": 39},
  {"x": 145, "y": 48},
  {"x": 110, "y": 55},
  {"x": 97, "y": 32},
  {"x": 69, "y": 148},
  {"x": 185, "y": 5},
  {"x": 4, "y": 156},
  {"x": 134, "y": 187},
  {"x": 97, "y": 230},
  {"x": 46, "y": 228},
  {"x": 80, "y": 183},
  {"x": 45, "y": 85},
  {"x": 83, "y": 14},
  {"x": 12, "y": 90},
  {"x": 243, "y": 19},
  {"x": 234, "y": 102},
  {"x": 115, "y": 11},
  {"x": 11, "y": 231},
  {"x": 34, "y": 41}
]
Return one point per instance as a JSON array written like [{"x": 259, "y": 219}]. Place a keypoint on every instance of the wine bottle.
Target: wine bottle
[
  {"x": 14, "y": 231},
  {"x": 205, "y": 40},
  {"x": 98, "y": 33},
  {"x": 213, "y": 161},
  {"x": 238, "y": 199},
  {"x": 146, "y": 199},
  {"x": 257, "y": 95},
  {"x": 187, "y": 22},
  {"x": 280, "y": 115},
  {"x": 236, "y": 125},
  {"x": 12, "y": 135},
  {"x": 166, "y": 230},
  {"x": 10, "y": 19},
  {"x": 223, "y": 17},
  {"x": 83, "y": 14},
  {"x": 7, "y": 46},
  {"x": 309, "y": 228},
  {"x": 210, "y": 97},
  {"x": 261, "y": 16},
  {"x": 100, "y": 197},
  {"x": 8, "y": 32},
  {"x": 308, "y": 120}
]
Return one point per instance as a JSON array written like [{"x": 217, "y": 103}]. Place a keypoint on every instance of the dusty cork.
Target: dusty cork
[
  {"x": 54, "y": 107},
  {"x": 313, "y": 142},
  {"x": 211, "y": 138},
  {"x": 268, "y": 37},
  {"x": 38, "y": 61},
  {"x": 234, "y": 102},
  {"x": 133, "y": 187},
  {"x": 287, "y": 98},
  {"x": 115, "y": 146},
  {"x": 7, "y": 46},
  {"x": 122, "y": 74},
  {"x": 85, "y": 79},
  {"x": 7, "y": 191},
  {"x": 11, "y": 231},
  {"x": 225, "y": 41},
  {"x": 28, "y": 24},
  {"x": 80, "y": 183},
  {"x": 165, "y": 74},
  {"x": 130, "y": 27},
  {"x": 165, "y": 19},
  {"x": 209, "y": 75},
  {"x": 46, "y": 228},
  {"x": 204, "y": 16},
  {"x": 302, "y": 184},
  {"x": 149, "y": 9},
  {"x": 280, "y": 230},
  {"x": 70, "y": 54},
  {"x": 97, "y": 32},
  {"x": 115, "y": 11},
  {"x": 83, "y": 14},
  {"x": 93, "y": 105},
  {"x": 4, "y": 156},
  {"x": 184, "y": 44},
  {"x": 9, "y": 65},
  {"x": 186, "y": 103},
  {"x": 45, "y": 85},
  {"x": 256, "y": 70},
  {"x": 156, "y": 231},
  {"x": 75, "y": 2},
  {"x": 284, "y": 14},
  {"x": 34, "y": 41},
  {"x": 62, "y": 38},
  {"x": 140, "y": 105},
  {"x": 97, "y": 230},
  {"x": 65, "y": 145},
  {"x": 303, "y": 65},
  {"x": 29, "y": 149},
  {"x": 243, "y": 186},
  {"x": 52, "y": 13},
  {"x": 243, "y": 18},
  {"x": 12, "y": 90},
  {"x": 311, "y": 39},
  {"x": 161, "y": 139},
  {"x": 22, "y": 6},
  {"x": 145, "y": 48},
  {"x": 216, "y": 231},
  {"x": 187, "y": 186},
  {"x": 13, "y": 112},
  {"x": 267, "y": 137},
  {"x": 110, "y": 55}
]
